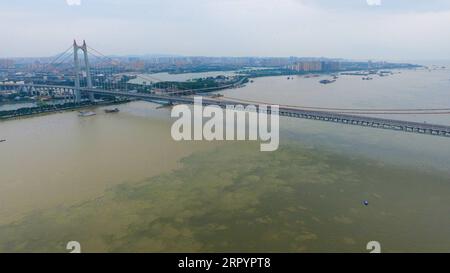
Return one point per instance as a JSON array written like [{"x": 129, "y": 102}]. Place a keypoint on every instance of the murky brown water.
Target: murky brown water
[
  {"x": 62, "y": 158},
  {"x": 119, "y": 183}
]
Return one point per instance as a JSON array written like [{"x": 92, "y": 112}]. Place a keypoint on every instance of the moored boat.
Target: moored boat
[
  {"x": 115, "y": 110},
  {"x": 327, "y": 81},
  {"x": 86, "y": 113}
]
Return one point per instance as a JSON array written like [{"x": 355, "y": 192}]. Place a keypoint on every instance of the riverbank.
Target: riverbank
[
  {"x": 49, "y": 109},
  {"x": 203, "y": 85},
  {"x": 288, "y": 72}
]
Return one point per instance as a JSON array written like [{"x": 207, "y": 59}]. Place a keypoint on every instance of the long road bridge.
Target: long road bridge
[{"x": 329, "y": 116}]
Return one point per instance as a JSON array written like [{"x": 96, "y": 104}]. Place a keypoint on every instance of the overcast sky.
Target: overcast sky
[{"x": 356, "y": 29}]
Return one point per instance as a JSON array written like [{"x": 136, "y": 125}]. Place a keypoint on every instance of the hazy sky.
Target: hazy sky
[{"x": 357, "y": 29}]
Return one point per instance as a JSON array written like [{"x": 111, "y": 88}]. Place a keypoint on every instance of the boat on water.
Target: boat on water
[
  {"x": 86, "y": 113},
  {"x": 327, "y": 81},
  {"x": 367, "y": 78},
  {"x": 2, "y": 140},
  {"x": 109, "y": 111},
  {"x": 216, "y": 96},
  {"x": 165, "y": 105}
]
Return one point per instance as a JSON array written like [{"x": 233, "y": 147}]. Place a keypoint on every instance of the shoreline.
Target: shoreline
[{"x": 49, "y": 111}]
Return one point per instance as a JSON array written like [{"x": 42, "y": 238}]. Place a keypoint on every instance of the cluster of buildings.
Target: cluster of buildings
[
  {"x": 315, "y": 66},
  {"x": 179, "y": 64},
  {"x": 6, "y": 63}
]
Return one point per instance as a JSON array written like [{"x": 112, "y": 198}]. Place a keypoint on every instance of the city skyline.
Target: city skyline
[{"x": 354, "y": 29}]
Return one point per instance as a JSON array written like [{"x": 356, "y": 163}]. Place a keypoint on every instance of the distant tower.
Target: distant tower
[
  {"x": 369, "y": 65},
  {"x": 76, "y": 47}
]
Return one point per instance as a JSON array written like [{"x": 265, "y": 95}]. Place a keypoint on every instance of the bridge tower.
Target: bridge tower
[{"x": 83, "y": 48}]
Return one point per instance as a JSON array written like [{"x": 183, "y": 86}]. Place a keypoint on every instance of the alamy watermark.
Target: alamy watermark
[
  {"x": 235, "y": 122},
  {"x": 74, "y": 247}
]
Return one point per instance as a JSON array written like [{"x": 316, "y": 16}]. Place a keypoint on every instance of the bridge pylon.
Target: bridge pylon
[{"x": 83, "y": 48}]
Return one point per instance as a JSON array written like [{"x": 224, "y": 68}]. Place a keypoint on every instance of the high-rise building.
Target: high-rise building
[
  {"x": 330, "y": 66},
  {"x": 315, "y": 66},
  {"x": 6, "y": 63},
  {"x": 307, "y": 66}
]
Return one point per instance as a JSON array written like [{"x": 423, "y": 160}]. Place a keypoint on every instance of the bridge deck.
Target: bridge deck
[{"x": 381, "y": 123}]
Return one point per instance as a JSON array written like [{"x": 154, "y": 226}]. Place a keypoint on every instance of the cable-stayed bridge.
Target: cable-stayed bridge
[{"x": 105, "y": 84}]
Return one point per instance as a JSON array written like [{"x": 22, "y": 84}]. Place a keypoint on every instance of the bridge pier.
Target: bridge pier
[
  {"x": 77, "y": 92},
  {"x": 88, "y": 70},
  {"x": 83, "y": 48}
]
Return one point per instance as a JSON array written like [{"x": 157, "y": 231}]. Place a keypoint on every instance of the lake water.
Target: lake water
[{"x": 119, "y": 183}]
